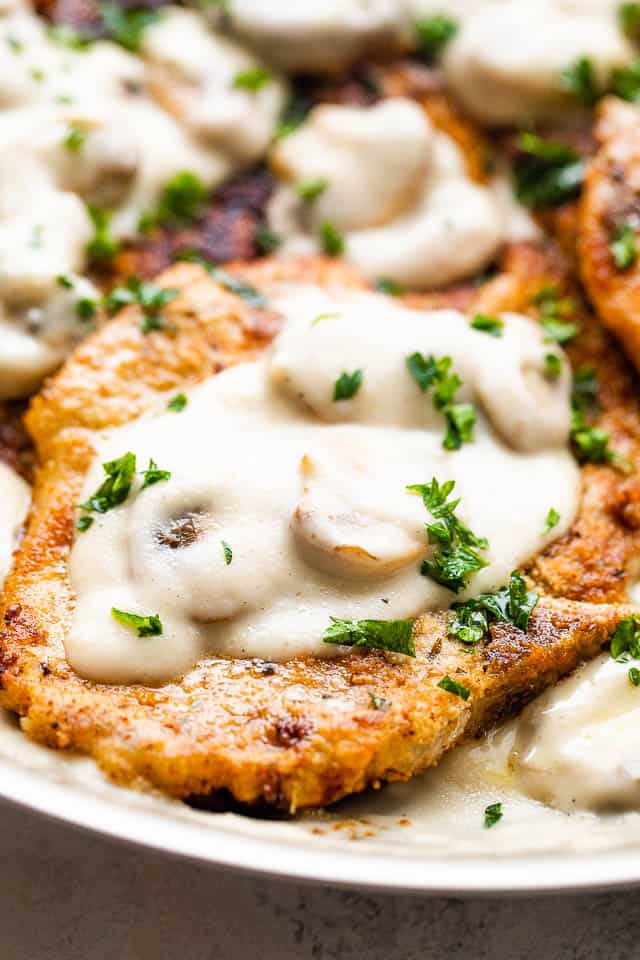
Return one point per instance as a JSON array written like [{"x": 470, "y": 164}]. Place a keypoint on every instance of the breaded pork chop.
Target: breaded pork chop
[
  {"x": 305, "y": 732},
  {"x": 610, "y": 208}
]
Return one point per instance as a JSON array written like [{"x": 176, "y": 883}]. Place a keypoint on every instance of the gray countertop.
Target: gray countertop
[{"x": 67, "y": 895}]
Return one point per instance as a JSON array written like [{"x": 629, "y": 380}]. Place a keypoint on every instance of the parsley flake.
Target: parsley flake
[
  {"x": 148, "y": 296},
  {"x": 233, "y": 284},
  {"x": 494, "y": 326},
  {"x": 551, "y": 520},
  {"x": 435, "y": 374},
  {"x": 556, "y": 313},
  {"x": 178, "y": 403},
  {"x": 625, "y": 640},
  {"x": 552, "y": 366},
  {"x": 433, "y": 34},
  {"x": 64, "y": 281},
  {"x": 452, "y": 686},
  {"x": 126, "y": 25},
  {"x": 310, "y": 190},
  {"x": 378, "y": 703},
  {"x": 394, "y": 636},
  {"x": 492, "y": 814},
  {"x": 625, "y": 82},
  {"x": 180, "y": 203},
  {"x": 590, "y": 444},
  {"x": 266, "y": 239},
  {"x": 115, "y": 489},
  {"x": 629, "y": 20},
  {"x": 227, "y": 552},
  {"x": 83, "y": 523},
  {"x": 546, "y": 173},
  {"x": 513, "y": 604},
  {"x": 75, "y": 138},
  {"x": 347, "y": 385},
  {"x": 146, "y": 626},
  {"x": 86, "y": 308},
  {"x": 634, "y": 676},
  {"x": 389, "y": 286},
  {"x": 153, "y": 475},
  {"x": 331, "y": 240},
  {"x": 252, "y": 80},
  {"x": 455, "y": 560},
  {"x": 103, "y": 246},
  {"x": 579, "y": 79},
  {"x": 624, "y": 249}
]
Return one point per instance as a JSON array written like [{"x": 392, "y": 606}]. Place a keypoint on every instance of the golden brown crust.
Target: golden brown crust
[
  {"x": 235, "y": 724},
  {"x": 610, "y": 199}
]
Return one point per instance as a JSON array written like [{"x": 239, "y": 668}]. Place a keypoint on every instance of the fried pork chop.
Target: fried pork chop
[{"x": 308, "y": 731}]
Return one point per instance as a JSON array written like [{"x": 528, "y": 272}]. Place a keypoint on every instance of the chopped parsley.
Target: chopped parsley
[
  {"x": 347, "y": 385},
  {"x": 625, "y": 82},
  {"x": 86, "y": 308},
  {"x": 126, "y": 25},
  {"x": 178, "y": 403},
  {"x": 552, "y": 366},
  {"x": 492, "y": 814},
  {"x": 579, "y": 79},
  {"x": 293, "y": 116},
  {"x": 556, "y": 312},
  {"x": 150, "y": 297},
  {"x": 389, "y": 286},
  {"x": 513, "y": 604},
  {"x": 625, "y": 640},
  {"x": 115, "y": 489},
  {"x": 249, "y": 294},
  {"x": 629, "y": 20},
  {"x": 153, "y": 475},
  {"x": 433, "y": 34},
  {"x": 75, "y": 138},
  {"x": 378, "y": 703},
  {"x": 590, "y": 444},
  {"x": 395, "y": 636},
  {"x": 454, "y": 560},
  {"x": 452, "y": 686},
  {"x": 64, "y": 281},
  {"x": 324, "y": 316},
  {"x": 551, "y": 520},
  {"x": 266, "y": 239},
  {"x": 546, "y": 173},
  {"x": 146, "y": 626},
  {"x": 180, "y": 202},
  {"x": 634, "y": 676},
  {"x": 487, "y": 324},
  {"x": 331, "y": 240},
  {"x": 65, "y": 36},
  {"x": 310, "y": 190},
  {"x": 103, "y": 246},
  {"x": 435, "y": 374},
  {"x": 624, "y": 248},
  {"x": 227, "y": 552},
  {"x": 252, "y": 80},
  {"x": 83, "y": 523},
  {"x": 15, "y": 45},
  {"x": 36, "y": 74}
]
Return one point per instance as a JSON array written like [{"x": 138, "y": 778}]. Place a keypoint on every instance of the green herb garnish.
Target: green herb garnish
[
  {"x": 492, "y": 814},
  {"x": 252, "y": 80},
  {"x": 552, "y": 366},
  {"x": 634, "y": 676},
  {"x": 347, "y": 385},
  {"x": 83, "y": 523},
  {"x": 625, "y": 640},
  {"x": 150, "y": 297},
  {"x": 452, "y": 686},
  {"x": 115, "y": 488},
  {"x": 126, "y": 25},
  {"x": 75, "y": 138},
  {"x": 266, "y": 239},
  {"x": 378, "y": 703},
  {"x": 454, "y": 561},
  {"x": 625, "y": 82},
  {"x": 395, "y": 636},
  {"x": 433, "y": 34},
  {"x": 153, "y": 475},
  {"x": 178, "y": 403},
  {"x": 487, "y": 324},
  {"x": 556, "y": 312},
  {"x": 146, "y": 626},
  {"x": 310, "y": 190},
  {"x": 86, "y": 308},
  {"x": 65, "y": 36},
  {"x": 331, "y": 240},
  {"x": 551, "y": 520},
  {"x": 249, "y": 294},
  {"x": 579, "y": 79},
  {"x": 180, "y": 203},
  {"x": 390, "y": 287},
  {"x": 546, "y": 173},
  {"x": 435, "y": 375},
  {"x": 64, "y": 281},
  {"x": 103, "y": 246},
  {"x": 513, "y": 604},
  {"x": 629, "y": 20},
  {"x": 227, "y": 552},
  {"x": 624, "y": 249}
]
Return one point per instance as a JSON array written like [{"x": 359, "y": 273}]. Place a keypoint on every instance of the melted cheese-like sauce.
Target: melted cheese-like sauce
[
  {"x": 319, "y": 35},
  {"x": 317, "y": 517},
  {"x": 142, "y": 120},
  {"x": 14, "y": 503},
  {"x": 505, "y": 62},
  {"x": 396, "y": 189}
]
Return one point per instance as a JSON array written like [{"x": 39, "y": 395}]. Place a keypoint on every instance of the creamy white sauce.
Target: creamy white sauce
[
  {"x": 396, "y": 189},
  {"x": 14, "y": 503},
  {"x": 506, "y": 61},
  {"x": 142, "y": 120},
  {"x": 318, "y": 518},
  {"x": 319, "y": 35}
]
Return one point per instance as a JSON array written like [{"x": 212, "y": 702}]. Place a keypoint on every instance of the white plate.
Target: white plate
[{"x": 365, "y": 843}]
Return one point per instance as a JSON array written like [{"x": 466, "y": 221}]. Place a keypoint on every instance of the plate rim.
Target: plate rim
[{"x": 475, "y": 876}]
